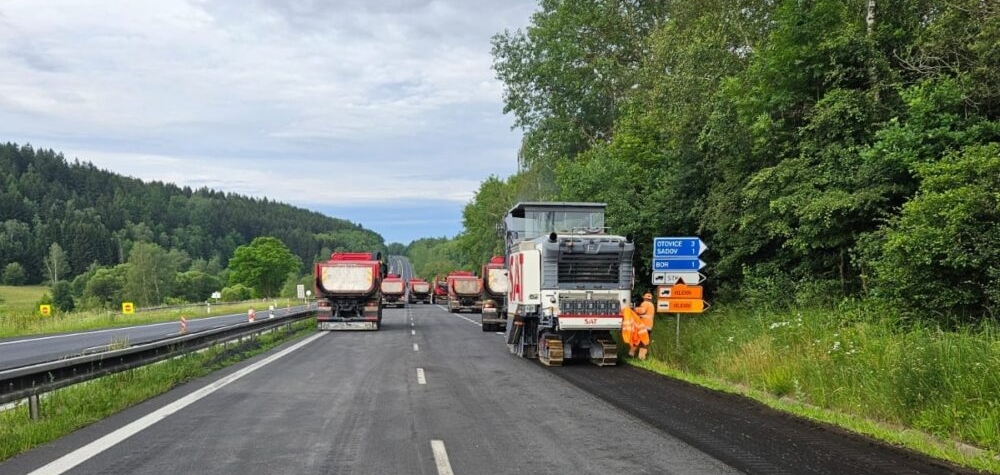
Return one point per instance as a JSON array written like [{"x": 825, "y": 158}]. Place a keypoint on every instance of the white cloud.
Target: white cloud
[
  {"x": 342, "y": 185},
  {"x": 182, "y": 91}
]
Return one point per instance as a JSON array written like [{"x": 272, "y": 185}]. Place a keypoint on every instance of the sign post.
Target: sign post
[
  {"x": 677, "y": 335},
  {"x": 676, "y": 264}
]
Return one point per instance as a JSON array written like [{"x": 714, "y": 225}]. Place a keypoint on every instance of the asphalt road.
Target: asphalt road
[
  {"x": 431, "y": 393},
  {"x": 23, "y": 351}
]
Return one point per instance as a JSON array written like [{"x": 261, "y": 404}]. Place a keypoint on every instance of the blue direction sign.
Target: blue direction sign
[
  {"x": 671, "y": 264},
  {"x": 677, "y": 247}
]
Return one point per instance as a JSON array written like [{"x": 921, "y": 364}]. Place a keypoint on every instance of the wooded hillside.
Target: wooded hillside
[{"x": 96, "y": 216}]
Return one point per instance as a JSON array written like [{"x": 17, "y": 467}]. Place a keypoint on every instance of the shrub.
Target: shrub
[
  {"x": 14, "y": 274},
  {"x": 236, "y": 292},
  {"x": 942, "y": 253},
  {"x": 62, "y": 296}
]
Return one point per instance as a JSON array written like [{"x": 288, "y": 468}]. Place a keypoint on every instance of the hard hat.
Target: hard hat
[{"x": 647, "y": 295}]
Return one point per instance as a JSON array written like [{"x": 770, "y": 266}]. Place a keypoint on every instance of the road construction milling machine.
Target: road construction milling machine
[
  {"x": 439, "y": 290},
  {"x": 348, "y": 291},
  {"x": 393, "y": 291},
  {"x": 464, "y": 292},
  {"x": 420, "y": 291},
  {"x": 495, "y": 285},
  {"x": 569, "y": 279}
]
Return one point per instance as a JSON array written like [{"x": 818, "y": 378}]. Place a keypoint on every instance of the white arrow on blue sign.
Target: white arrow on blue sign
[
  {"x": 671, "y": 278},
  {"x": 681, "y": 247},
  {"x": 668, "y": 264}
]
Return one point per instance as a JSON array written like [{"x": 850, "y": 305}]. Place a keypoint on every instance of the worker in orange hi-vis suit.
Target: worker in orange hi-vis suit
[
  {"x": 646, "y": 311},
  {"x": 633, "y": 330}
]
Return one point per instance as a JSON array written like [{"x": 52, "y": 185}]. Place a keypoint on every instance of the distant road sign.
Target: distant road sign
[
  {"x": 662, "y": 264},
  {"x": 45, "y": 310},
  {"x": 678, "y": 247},
  {"x": 680, "y": 291},
  {"x": 680, "y": 306},
  {"x": 128, "y": 308},
  {"x": 671, "y": 278}
]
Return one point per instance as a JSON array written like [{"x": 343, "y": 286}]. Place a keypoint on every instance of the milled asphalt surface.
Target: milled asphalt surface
[{"x": 351, "y": 402}]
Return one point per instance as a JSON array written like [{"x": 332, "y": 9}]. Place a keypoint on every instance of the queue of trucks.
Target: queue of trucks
[{"x": 557, "y": 293}]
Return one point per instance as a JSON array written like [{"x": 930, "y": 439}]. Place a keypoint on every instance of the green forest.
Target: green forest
[
  {"x": 103, "y": 238},
  {"x": 825, "y": 149}
]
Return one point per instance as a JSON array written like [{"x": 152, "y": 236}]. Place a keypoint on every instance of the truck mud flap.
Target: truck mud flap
[{"x": 347, "y": 325}]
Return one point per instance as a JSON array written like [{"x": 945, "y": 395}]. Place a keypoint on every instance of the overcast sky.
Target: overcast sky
[{"x": 383, "y": 112}]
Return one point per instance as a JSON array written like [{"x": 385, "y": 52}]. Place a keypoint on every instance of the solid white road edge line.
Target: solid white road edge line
[
  {"x": 78, "y": 456},
  {"x": 420, "y": 376},
  {"x": 441, "y": 458}
]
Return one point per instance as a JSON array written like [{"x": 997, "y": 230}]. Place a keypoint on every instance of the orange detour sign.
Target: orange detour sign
[
  {"x": 45, "y": 310},
  {"x": 673, "y": 305},
  {"x": 680, "y": 291}
]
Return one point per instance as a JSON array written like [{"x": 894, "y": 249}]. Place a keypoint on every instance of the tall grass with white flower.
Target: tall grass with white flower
[{"x": 855, "y": 360}]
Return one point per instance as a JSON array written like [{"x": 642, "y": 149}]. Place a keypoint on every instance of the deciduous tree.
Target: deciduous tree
[
  {"x": 56, "y": 264},
  {"x": 263, "y": 265}
]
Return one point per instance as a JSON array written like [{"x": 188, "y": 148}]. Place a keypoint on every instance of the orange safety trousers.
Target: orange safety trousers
[{"x": 633, "y": 329}]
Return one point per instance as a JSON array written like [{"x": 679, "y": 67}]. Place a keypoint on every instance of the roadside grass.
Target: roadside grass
[
  {"x": 862, "y": 368},
  {"x": 30, "y": 323},
  {"x": 68, "y": 409},
  {"x": 20, "y": 298}
]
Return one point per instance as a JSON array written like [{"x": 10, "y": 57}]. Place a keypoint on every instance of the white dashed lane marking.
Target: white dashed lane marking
[{"x": 441, "y": 458}]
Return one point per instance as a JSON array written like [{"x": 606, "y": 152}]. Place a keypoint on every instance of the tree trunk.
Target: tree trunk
[{"x": 872, "y": 70}]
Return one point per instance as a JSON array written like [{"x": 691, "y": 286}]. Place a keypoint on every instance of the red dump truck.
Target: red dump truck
[
  {"x": 464, "y": 292},
  {"x": 439, "y": 291},
  {"x": 348, "y": 291},
  {"x": 393, "y": 291},
  {"x": 495, "y": 285},
  {"x": 420, "y": 291}
]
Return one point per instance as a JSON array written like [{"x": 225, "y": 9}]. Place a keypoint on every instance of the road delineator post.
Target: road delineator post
[
  {"x": 184, "y": 324},
  {"x": 251, "y": 315}
]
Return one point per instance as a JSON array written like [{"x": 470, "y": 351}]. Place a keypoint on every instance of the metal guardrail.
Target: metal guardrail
[
  {"x": 193, "y": 305},
  {"x": 28, "y": 382}
]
